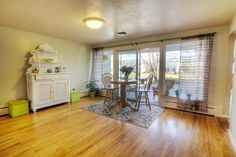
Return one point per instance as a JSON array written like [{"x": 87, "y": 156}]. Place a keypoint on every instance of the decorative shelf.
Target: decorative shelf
[
  {"x": 45, "y": 63},
  {"x": 45, "y": 59}
]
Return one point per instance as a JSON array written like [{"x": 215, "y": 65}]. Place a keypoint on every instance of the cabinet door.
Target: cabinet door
[
  {"x": 44, "y": 92},
  {"x": 61, "y": 91}
]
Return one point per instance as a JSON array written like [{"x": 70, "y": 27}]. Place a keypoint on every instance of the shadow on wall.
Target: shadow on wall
[{"x": 20, "y": 85}]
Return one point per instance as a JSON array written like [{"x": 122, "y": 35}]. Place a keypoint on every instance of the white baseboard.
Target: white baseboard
[{"x": 232, "y": 140}]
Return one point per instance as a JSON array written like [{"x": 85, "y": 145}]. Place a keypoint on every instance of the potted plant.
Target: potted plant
[
  {"x": 177, "y": 93},
  {"x": 126, "y": 71},
  {"x": 105, "y": 57},
  {"x": 91, "y": 85},
  {"x": 188, "y": 96}
]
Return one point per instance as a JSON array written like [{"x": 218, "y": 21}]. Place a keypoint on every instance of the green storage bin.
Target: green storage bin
[
  {"x": 74, "y": 96},
  {"x": 18, "y": 107}
]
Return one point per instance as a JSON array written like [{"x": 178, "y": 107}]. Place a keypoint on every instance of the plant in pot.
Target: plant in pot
[
  {"x": 91, "y": 85},
  {"x": 126, "y": 71}
]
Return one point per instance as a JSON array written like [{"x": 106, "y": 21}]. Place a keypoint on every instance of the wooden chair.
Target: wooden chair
[
  {"x": 155, "y": 91},
  {"x": 143, "y": 93},
  {"x": 110, "y": 89}
]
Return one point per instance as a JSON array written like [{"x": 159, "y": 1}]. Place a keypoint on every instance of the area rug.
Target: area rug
[{"x": 143, "y": 118}]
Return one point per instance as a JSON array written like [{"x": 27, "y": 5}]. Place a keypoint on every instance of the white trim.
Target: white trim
[
  {"x": 232, "y": 140},
  {"x": 225, "y": 116}
]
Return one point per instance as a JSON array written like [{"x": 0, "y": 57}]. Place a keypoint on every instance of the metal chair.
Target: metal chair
[
  {"x": 110, "y": 89},
  {"x": 143, "y": 93}
]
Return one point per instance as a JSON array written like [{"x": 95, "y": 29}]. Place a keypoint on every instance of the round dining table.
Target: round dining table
[{"x": 123, "y": 100}]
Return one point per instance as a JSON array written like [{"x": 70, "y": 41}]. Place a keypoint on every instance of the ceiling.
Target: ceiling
[{"x": 139, "y": 18}]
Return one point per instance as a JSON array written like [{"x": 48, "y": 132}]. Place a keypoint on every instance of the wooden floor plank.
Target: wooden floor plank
[{"x": 67, "y": 130}]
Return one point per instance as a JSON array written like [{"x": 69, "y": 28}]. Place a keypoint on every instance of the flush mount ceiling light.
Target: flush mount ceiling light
[{"x": 94, "y": 22}]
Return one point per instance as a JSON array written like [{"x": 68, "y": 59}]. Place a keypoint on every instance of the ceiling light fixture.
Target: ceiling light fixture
[{"x": 94, "y": 22}]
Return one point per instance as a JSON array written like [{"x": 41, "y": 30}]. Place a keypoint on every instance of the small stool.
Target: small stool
[{"x": 18, "y": 107}]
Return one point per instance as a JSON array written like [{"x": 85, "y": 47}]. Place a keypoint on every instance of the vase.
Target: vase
[
  {"x": 92, "y": 94},
  {"x": 188, "y": 96},
  {"x": 126, "y": 77}
]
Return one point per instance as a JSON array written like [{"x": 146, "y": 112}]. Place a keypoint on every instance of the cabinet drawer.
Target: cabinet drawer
[
  {"x": 60, "y": 76},
  {"x": 44, "y": 77}
]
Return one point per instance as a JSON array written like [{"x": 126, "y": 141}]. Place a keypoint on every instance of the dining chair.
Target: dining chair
[
  {"x": 155, "y": 91},
  {"x": 110, "y": 89},
  {"x": 143, "y": 93}
]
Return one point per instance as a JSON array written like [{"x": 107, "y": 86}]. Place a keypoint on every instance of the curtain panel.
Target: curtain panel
[
  {"x": 97, "y": 66},
  {"x": 194, "y": 73}
]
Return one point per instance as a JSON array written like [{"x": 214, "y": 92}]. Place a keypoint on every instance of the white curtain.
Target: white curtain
[
  {"x": 195, "y": 61},
  {"x": 97, "y": 66}
]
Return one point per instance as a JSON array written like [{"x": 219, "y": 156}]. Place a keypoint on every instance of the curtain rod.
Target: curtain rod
[{"x": 159, "y": 40}]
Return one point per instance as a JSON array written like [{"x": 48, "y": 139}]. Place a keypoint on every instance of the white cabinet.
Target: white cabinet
[
  {"x": 47, "y": 81},
  {"x": 45, "y": 90}
]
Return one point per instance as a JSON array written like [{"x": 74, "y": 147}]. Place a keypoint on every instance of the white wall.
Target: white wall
[{"x": 14, "y": 48}]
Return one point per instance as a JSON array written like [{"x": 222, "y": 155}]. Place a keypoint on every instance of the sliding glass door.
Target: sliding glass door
[{"x": 145, "y": 61}]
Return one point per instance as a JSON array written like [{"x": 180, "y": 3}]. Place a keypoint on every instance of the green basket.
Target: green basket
[
  {"x": 74, "y": 96},
  {"x": 18, "y": 107}
]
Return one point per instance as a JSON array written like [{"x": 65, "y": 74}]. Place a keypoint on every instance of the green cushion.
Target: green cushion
[{"x": 18, "y": 107}]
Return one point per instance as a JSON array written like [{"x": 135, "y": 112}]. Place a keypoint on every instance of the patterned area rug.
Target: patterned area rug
[{"x": 143, "y": 118}]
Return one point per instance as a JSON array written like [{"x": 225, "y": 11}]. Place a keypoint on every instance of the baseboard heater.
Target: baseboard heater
[
  {"x": 3, "y": 110},
  {"x": 84, "y": 93}
]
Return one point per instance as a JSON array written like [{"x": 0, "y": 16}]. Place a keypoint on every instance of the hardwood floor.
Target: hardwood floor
[{"x": 66, "y": 130}]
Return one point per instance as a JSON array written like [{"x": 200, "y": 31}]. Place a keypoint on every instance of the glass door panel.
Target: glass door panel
[
  {"x": 128, "y": 58},
  {"x": 145, "y": 61},
  {"x": 149, "y": 63},
  {"x": 172, "y": 63}
]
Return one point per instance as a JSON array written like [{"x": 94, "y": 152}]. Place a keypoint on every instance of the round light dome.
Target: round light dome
[{"x": 94, "y": 22}]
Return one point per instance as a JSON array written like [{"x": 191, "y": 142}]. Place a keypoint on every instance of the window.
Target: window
[{"x": 107, "y": 62}]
